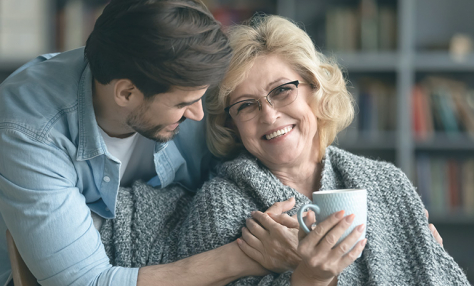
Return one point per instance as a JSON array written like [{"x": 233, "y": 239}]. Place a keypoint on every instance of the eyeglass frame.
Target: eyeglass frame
[{"x": 295, "y": 82}]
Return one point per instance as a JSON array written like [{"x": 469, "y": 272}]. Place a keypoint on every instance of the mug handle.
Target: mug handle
[{"x": 302, "y": 209}]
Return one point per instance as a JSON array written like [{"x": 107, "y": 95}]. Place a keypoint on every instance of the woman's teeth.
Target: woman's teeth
[{"x": 278, "y": 133}]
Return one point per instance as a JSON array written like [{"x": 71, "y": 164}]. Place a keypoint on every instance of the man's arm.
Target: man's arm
[
  {"x": 48, "y": 217},
  {"x": 52, "y": 227},
  {"x": 215, "y": 267}
]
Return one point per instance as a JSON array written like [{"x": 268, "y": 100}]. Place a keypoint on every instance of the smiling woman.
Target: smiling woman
[
  {"x": 260, "y": 64},
  {"x": 273, "y": 117}
]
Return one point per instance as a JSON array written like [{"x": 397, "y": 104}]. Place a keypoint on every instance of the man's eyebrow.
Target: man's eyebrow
[{"x": 183, "y": 104}]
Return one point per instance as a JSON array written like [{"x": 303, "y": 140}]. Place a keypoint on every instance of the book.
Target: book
[
  {"x": 439, "y": 200},
  {"x": 24, "y": 29},
  {"x": 369, "y": 25},
  {"x": 418, "y": 118},
  {"x": 387, "y": 28},
  {"x": 453, "y": 185},
  {"x": 423, "y": 175},
  {"x": 468, "y": 186}
]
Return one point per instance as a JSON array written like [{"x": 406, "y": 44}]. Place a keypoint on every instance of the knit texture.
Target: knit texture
[{"x": 157, "y": 226}]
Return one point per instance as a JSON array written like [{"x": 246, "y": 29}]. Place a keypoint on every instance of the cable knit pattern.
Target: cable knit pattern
[{"x": 157, "y": 226}]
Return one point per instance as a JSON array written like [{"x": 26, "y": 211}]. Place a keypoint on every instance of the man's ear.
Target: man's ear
[{"x": 126, "y": 94}]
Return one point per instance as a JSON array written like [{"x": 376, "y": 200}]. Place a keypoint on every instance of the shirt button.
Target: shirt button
[{"x": 106, "y": 179}]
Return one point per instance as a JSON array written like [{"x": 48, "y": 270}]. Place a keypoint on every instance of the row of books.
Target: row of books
[
  {"x": 366, "y": 27},
  {"x": 442, "y": 105},
  {"x": 446, "y": 185},
  {"x": 230, "y": 12},
  {"x": 23, "y": 29},
  {"x": 375, "y": 106}
]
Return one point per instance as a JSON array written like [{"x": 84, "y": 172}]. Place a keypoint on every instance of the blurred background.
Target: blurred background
[{"x": 409, "y": 65}]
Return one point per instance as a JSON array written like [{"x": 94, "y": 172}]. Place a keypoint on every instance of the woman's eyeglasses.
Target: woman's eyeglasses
[{"x": 280, "y": 96}]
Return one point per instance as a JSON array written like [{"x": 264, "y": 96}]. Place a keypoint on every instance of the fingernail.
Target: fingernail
[
  {"x": 361, "y": 227},
  {"x": 252, "y": 213},
  {"x": 239, "y": 241},
  {"x": 350, "y": 218},
  {"x": 363, "y": 242},
  {"x": 340, "y": 214}
]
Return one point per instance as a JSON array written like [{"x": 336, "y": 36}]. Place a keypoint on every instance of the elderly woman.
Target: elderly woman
[{"x": 273, "y": 118}]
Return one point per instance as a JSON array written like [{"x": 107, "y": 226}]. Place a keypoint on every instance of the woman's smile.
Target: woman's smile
[{"x": 278, "y": 134}]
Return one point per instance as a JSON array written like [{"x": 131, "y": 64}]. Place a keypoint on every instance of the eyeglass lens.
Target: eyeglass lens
[{"x": 278, "y": 97}]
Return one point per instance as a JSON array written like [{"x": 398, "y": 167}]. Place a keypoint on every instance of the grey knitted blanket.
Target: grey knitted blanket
[{"x": 156, "y": 226}]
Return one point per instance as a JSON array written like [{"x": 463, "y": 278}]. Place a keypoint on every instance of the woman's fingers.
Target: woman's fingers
[
  {"x": 281, "y": 207},
  {"x": 309, "y": 219},
  {"x": 347, "y": 243},
  {"x": 352, "y": 255},
  {"x": 320, "y": 231},
  {"x": 331, "y": 238},
  {"x": 265, "y": 221},
  {"x": 285, "y": 220}
]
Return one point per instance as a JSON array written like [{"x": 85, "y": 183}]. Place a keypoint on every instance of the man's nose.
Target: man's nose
[{"x": 195, "y": 111}]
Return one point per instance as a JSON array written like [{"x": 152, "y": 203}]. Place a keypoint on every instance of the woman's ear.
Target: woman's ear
[{"x": 229, "y": 123}]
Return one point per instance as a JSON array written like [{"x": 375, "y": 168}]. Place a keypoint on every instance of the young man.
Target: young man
[{"x": 75, "y": 126}]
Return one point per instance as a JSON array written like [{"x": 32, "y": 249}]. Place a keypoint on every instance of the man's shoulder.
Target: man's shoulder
[{"x": 37, "y": 94}]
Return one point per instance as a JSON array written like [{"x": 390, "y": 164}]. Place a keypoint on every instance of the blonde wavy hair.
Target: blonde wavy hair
[{"x": 275, "y": 35}]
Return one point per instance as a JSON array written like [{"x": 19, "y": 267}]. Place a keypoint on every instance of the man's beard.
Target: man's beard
[{"x": 137, "y": 122}]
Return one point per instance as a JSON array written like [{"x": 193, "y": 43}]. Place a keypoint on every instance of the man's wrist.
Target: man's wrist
[
  {"x": 219, "y": 266},
  {"x": 299, "y": 278}
]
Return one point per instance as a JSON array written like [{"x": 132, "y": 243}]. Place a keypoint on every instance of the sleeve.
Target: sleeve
[
  {"x": 219, "y": 211},
  {"x": 48, "y": 217}
]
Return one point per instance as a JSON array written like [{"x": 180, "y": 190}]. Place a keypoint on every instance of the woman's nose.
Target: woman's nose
[{"x": 267, "y": 113}]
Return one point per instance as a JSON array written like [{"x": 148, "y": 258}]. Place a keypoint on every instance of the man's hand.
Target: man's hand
[{"x": 434, "y": 231}]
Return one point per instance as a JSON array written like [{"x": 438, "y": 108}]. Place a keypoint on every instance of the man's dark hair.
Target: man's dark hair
[{"x": 158, "y": 44}]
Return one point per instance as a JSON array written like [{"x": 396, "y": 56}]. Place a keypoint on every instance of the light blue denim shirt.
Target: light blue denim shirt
[{"x": 55, "y": 168}]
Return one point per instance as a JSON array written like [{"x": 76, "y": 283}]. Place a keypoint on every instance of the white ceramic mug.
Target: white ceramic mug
[{"x": 325, "y": 203}]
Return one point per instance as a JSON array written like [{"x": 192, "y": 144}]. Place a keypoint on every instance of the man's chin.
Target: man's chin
[{"x": 162, "y": 136}]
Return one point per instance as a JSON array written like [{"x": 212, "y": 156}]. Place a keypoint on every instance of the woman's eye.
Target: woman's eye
[
  {"x": 244, "y": 105},
  {"x": 281, "y": 91}
]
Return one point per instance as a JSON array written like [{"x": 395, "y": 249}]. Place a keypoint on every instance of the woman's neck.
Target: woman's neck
[{"x": 305, "y": 178}]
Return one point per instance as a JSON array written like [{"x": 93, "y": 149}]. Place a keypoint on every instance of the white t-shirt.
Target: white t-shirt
[{"x": 135, "y": 154}]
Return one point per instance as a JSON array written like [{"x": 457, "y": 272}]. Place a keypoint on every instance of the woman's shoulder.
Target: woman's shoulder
[
  {"x": 367, "y": 170},
  {"x": 351, "y": 160}
]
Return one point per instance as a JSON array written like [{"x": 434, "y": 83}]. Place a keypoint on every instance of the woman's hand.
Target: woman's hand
[
  {"x": 322, "y": 261},
  {"x": 271, "y": 238}
]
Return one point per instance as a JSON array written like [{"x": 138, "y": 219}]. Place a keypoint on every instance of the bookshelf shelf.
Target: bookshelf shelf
[
  {"x": 368, "y": 141},
  {"x": 439, "y": 219},
  {"x": 443, "y": 61},
  {"x": 368, "y": 61},
  {"x": 446, "y": 142}
]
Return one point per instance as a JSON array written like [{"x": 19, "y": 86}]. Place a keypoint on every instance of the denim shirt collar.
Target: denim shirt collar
[{"x": 90, "y": 143}]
